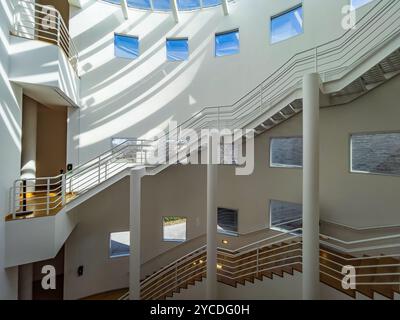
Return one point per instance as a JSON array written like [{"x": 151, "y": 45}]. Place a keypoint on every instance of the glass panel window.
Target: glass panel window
[
  {"x": 119, "y": 244},
  {"x": 174, "y": 228},
  {"x": 162, "y": 5},
  {"x": 287, "y": 25},
  {"x": 126, "y": 46},
  {"x": 211, "y": 3},
  {"x": 227, "y": 221},
  {"x": 188, "y": 4},
  {"x": 177, "y": 49},
  {"x": 286, "y": 152},
  {"x": 140, "y": 4},
  {"x": 285, "y": 215},
  {"x": 377, "y": 153},
  {"x": 227, "y": 43},
  {"x": 355, "y": 4}
]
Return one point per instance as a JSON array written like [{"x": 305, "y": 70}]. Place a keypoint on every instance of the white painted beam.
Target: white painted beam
[
  {"x": 124, "y": 6},
  {"x": 174, "y": 10},
  {"x": 225, "y": 7}
]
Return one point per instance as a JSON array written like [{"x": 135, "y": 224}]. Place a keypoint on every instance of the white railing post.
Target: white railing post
[
  {"x": 176, "y": 274},
  {"x": 14, "y": 191},
  {"x": 58, "y": 29},
  {"x": 63, "y": 189},
  {"x": 99, "y": 167},
  {"x": 48, "y": 197}
]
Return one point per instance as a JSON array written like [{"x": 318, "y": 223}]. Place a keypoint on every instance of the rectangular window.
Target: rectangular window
[
  {"x": 119, "y": 244},
  {"x": 377, "y": 153},
  {"x": 227, "y": 221},
  {"x": 287, "y": 25},
  {"x": 126, "y": 46},
  {"x": 174, "y": 228},
  {"x": 355, "y": 4},
  {"x": 177, "y": 49},
  {"x": 136, "y": 152},
  {"x": 286, "y": 152},
  {"x": 227, "y": 43},
  {"x": 285, "y": 215}
]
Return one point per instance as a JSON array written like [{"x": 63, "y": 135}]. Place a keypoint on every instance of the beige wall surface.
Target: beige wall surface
[
  {"x": 358, "y": 200},
  {"x": 51, "y": 141}
]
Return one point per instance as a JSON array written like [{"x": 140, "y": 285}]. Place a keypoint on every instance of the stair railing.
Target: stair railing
[
  {"x": 332, "y": 60},
  {"x": 276, "y": 254},
  {"x": 44, "y": 196}
]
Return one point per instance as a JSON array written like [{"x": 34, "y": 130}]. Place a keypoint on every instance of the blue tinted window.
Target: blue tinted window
[
  {"x": 126, "y": 46},
  {"x": 162, "y": 5},
  {"x": 287, "y": 25},
  {"x": 211, "y": 3},
  {"x": 227, "y": 43},
  {"x": 359, "y": 3},
  {"x": 141, "y": 4},
  {"x": 188, "y": 4},
  {"x": 177, "y": 49}
]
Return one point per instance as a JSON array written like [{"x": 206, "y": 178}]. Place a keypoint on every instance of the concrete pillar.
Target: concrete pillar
[
  {"x": 28, "y": 152},
  {"x": 212, "y": 181},
  {"x": 134, "y": 228},
  {"x": 311, "y": 282},
  {"x": 25, "y": 281}
]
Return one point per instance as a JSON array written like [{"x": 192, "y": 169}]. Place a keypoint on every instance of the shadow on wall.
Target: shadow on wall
[{"x": 146, "y": 88}]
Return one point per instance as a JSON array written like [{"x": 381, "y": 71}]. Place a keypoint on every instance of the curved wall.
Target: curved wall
[{"x": 129, "y": 98}]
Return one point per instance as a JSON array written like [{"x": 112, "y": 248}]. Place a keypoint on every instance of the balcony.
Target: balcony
[{"x": 44, "y": 59}]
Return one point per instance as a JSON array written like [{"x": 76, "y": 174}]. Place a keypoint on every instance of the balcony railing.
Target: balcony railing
[{"x": 43, "y": 22}]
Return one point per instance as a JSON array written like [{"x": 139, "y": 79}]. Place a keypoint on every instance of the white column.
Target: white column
[
  {"x": 212, "y": 181},
  {"x": 29, "y": 128},
  {"x": 134, "y": 228},
  {"x": 311, "y": 282}
]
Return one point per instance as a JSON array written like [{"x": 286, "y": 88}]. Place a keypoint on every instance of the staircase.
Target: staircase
[
  {"x": 349, "y": 66},
  {"x": 276, "y": 256}
]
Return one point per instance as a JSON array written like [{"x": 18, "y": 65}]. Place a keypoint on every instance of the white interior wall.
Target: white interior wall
[
  {"x": 129, "y": 98},
  {"x": 10, "y": 142},
  {"x": 359, "y": 200}
]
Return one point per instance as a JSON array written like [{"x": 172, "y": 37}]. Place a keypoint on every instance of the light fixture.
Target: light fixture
[
  {"x": 225, "y": 241},
  {"x": 200, "y": 261},
  {"x": 219, "y": 266}
]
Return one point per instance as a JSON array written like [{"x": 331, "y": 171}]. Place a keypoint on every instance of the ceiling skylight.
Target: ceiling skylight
[{"x": 164, "y": 5}]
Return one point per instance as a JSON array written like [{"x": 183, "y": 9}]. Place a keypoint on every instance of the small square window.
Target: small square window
[
  {"x": 355, "y": 4},
  {"x": 227, "y": 221},
  {"x": 126, "y": 46},
  {"x": 119, "y": 244},
  {"x": 287, "y": 24},
  {"x": 286, "y": 152},
  {"x": 177, "y": 49},
  {"x": 227, "y": 43},
  {"x": 174, "y": 228},
  {"x": 285, "y": 215}
]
